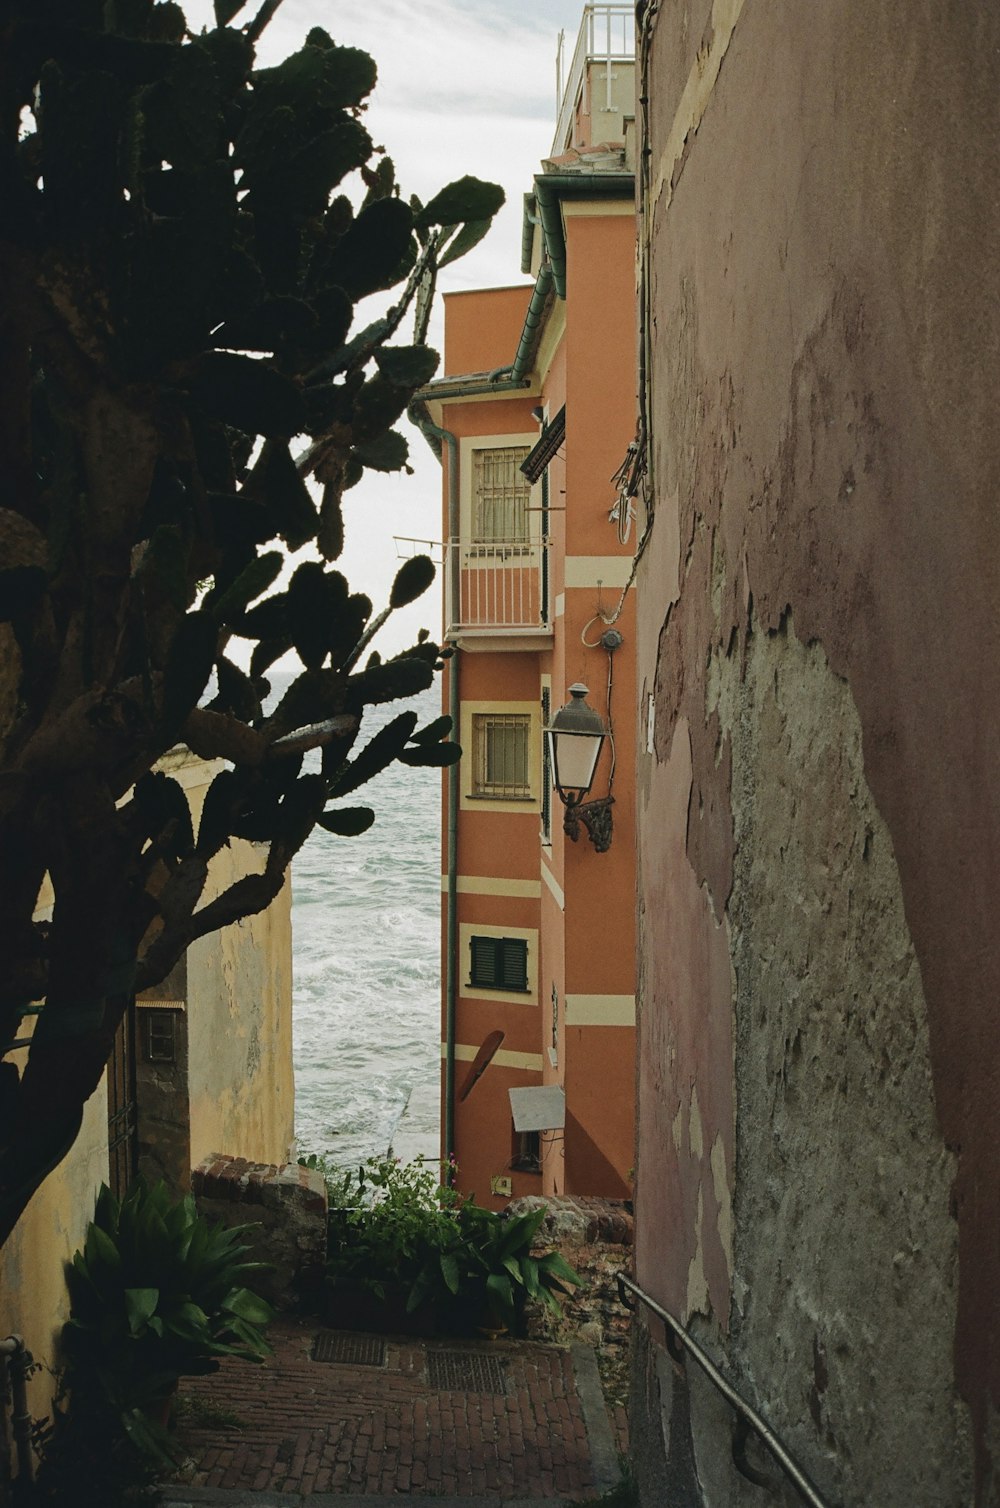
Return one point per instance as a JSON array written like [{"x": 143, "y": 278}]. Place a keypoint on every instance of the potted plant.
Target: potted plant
[{"x": 156, "y": 1294}]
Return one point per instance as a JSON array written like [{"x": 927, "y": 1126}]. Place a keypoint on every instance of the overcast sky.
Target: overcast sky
[{"x": 464, "y": 86}]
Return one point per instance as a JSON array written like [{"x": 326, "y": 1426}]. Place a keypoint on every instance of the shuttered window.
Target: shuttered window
[{"x": 499, "y": 963}]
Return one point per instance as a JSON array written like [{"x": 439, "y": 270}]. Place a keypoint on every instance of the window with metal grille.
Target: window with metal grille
[
  {"x": 499, "y": 963},
  {"x": 500, "y": 744},
  {"x": 500, "y": 494},
  {"x": 546, "y": 769}
]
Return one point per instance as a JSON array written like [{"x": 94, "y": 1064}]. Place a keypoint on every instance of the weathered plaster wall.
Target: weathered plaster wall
[
  {"x": 239, "y": 1020},
  {"x": 33, "y": 1299},
  {"x": 820, "y": 964},
  {"x": 240, "y": 1084},
  {"x": 843, "y": 1176}
]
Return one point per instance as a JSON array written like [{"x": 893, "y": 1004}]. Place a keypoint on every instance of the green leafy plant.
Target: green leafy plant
[
  {"x": 489, "y": 1268},
  {"x": 157, "y": 1293},
  {"x": 387, "y": 1220},
  {"x": 393, "y": 1223}
]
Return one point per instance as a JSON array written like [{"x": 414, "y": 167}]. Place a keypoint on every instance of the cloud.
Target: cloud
[{"x": 464, "y": 86}]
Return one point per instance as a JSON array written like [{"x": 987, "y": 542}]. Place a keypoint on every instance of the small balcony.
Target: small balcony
[{"x": 497, "y": 588}]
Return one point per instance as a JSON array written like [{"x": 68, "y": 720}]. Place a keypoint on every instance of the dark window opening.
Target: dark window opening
[
  {"x": 546, "y": 769},
  {"x": 499, "y": 963},
  {"x": 161, "y": 1036},
  {"x": 526, "y": 1152}
]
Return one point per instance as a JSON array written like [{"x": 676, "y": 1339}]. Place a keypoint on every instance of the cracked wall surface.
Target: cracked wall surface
[{"x": 819, "y": 640}]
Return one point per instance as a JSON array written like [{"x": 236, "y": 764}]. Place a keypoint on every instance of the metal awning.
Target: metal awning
[
  {"x": 537, "y": 459},
  {"x": 542, "y": 1108}
]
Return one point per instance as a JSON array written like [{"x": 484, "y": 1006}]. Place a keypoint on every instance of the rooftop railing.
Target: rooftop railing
[{"x": 607, "y": 35}]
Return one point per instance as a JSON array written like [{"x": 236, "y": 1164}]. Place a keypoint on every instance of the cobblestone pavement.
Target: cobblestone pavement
[{"x": 499, "y": 1420}]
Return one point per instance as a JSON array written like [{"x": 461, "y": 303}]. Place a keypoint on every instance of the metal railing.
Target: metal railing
[
  {"x": 606, "y": 36},
  {"x": 748, "y": 1421},
  {"x": 497, "y": 586}
]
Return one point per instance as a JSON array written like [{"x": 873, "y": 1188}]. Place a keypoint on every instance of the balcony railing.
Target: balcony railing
[
  {"x": 499, "y": 586},
  {"x": 607, "y": 36}
]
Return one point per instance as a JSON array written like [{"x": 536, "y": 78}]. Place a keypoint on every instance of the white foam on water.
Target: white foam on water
[{"x": 366, "y": 969}]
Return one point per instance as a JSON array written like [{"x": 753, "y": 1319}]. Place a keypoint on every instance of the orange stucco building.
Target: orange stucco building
[{"x": 533, "y": 419}]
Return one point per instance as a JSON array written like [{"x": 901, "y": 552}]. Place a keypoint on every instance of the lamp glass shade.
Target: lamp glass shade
[{"x": 575, "y": 736}]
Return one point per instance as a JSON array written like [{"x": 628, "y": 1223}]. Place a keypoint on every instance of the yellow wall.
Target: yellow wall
[
  {"x": 33, "y": 1299},
  {"x": 239, "y": 1011}
]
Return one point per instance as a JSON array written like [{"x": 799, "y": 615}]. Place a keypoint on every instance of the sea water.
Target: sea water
[{"x": 366, "y": 968}]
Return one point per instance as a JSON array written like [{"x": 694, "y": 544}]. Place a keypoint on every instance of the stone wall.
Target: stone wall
[
  {"x": 595, "y": 1237},
  {"x": 286, "y": 1204},
  {"x": 819, "y": 793}
]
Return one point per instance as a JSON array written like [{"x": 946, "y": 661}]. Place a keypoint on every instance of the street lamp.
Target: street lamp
[{"x": 576, "y": 735}]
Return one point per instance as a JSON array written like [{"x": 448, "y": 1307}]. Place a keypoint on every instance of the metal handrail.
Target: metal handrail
[{"x": 748, "y": 1419}]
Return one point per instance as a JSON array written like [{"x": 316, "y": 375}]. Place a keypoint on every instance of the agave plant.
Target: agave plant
[{"x": 157, "y": 1293}]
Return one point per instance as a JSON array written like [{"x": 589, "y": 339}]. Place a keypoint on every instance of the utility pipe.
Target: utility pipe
[
  {"x": 17, "y": 1359},
  {"x": 534, "y": 321},
  {"x": 501, "y": 379},
  {"x": 434, "y": 433},
  {"x": 451, "y": 927}
]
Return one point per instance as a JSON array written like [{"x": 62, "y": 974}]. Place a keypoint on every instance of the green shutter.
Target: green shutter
[
  {"x": 514, "y": 963},
  {"x": 499, "y": 963}
]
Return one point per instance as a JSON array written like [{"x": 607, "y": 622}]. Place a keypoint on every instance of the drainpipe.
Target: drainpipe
[
  {"x": 435, "y": 435},
  {"x": 451, "y": 926},
  {"x": 17, "y": 1360},
  {"x": 534, "y": 320},
  {"x": 501, "y": 379}
]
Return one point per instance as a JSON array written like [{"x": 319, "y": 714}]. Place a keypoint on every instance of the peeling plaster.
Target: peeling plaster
[
  {"x": 823, "y": 287},
  {"x": 845, "y": 1241},
  {"x": 723, "y": 1199},
  {"x": 697, "y": 1301}
]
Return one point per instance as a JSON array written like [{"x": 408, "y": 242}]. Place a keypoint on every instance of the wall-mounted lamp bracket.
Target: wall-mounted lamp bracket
[{"x": 596, "y": 818}]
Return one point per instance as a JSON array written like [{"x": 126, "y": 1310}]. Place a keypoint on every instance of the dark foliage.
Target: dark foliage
[{"x": 181, "y": 253}]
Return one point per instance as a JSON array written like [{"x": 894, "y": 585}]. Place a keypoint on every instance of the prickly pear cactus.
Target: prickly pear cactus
[{"x": 184, "y": 241}]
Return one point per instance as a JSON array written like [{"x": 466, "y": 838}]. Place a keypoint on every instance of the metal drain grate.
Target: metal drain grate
[
  {"x": 351, "y": 1350},
  {"x": 466, "y": 1372}
]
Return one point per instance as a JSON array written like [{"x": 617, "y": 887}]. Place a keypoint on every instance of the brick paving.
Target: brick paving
[{"x": 538, "y": 1428}]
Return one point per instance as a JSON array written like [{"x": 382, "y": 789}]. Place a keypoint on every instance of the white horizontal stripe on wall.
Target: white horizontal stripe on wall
[
  {"x": 529, "y": 1062},
  {"x": 553, "y": 884},
  {"x": 600, "y": 1010},
  {"x": 594, "y": 570},
  {"x": 484, "y": 884}
]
